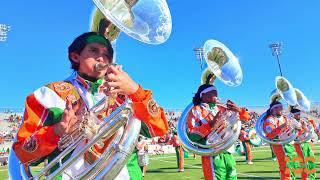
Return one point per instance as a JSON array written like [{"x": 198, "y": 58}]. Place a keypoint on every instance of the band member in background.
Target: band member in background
[
  {"x": 205, "y": 116},
  {"x": 273, "y": 155},
  {"x": 53, "y": 110},
  {"x": 315, "y": 127},
  {"x": 304, "y": 150},
  {"x": 245, "y": 140},
  {"x": 274, "y": 124},
  {"x": 143, "y": 158},
  {"x": 179, "y": 150}
]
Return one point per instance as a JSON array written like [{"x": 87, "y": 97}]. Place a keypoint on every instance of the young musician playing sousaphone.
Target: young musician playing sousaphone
[
  {"x": 275, "y": 123},
  {"x": 245, "y": 140},
  {"x": 304, "y": 150},
  {"x": 205, "y": 116},
  {"x": 54, "y": 109}
]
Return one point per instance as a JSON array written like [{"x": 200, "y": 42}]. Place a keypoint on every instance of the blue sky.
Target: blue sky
[{"x": 35, "y": 52}]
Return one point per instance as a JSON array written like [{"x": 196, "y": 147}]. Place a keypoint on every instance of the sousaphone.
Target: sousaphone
[
  {"x": 304, "y": 104},
  {"x": 220, "y": 63},
  {"x": 284, "y": 90}
]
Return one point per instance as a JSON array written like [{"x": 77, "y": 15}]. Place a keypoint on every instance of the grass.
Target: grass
[{"x": 164, "y": 167}]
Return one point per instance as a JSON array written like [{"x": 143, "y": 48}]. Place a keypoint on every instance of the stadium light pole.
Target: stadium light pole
[
  {"x": 3, "y": 32},
  {"x": 276, "y": 51},
  {"x": 199, "y": 55}
]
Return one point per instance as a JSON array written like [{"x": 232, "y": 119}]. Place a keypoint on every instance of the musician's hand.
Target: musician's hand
[
  {"x": 69, "y": 119},
  {"x": 220, "y": 126},
  {"x": 120, "y": 82},
  {"x": 214, "y": 120},
  {"x": 232, "y": 106},
  {"x": 218, "y": 122},
  {"x": 285, "y": 128}
]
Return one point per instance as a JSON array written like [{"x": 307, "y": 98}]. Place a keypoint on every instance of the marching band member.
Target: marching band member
[
  {"x": 52, "y": 110},
  {"x": 179, "y": 150},
  {"x": 245, "y": 140},
  {"x": 315, "y": 127},
  {"x": 274, "y": 124},
  {"x": 143, "y": 158},
  {"x": 304, "y": 150},
  {"x": 201, "y": 120}
]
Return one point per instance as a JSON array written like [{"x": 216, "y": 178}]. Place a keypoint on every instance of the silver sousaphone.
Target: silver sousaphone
[
  {"x": 221, "y": 63},
  {"x": 284, "y": 90},
  {"x": 304, "y": 104},
  {"x": 148, "y": 21}
]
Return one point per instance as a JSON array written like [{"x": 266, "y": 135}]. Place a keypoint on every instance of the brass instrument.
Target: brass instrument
[
  {"x": 221, "y": 63},
  {"x": 284, "y": 90}
]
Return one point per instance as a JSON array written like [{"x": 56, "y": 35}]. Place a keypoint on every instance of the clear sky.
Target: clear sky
[{"x": 35, "y": 52}]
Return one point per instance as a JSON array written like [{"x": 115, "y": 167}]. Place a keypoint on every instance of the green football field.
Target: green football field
[{"x": 164, "y": 167}]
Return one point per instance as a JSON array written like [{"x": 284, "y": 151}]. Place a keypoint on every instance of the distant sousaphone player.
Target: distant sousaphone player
[{"x": 207, "y": 127}]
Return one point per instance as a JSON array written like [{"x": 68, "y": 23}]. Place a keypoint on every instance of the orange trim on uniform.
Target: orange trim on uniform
[
  {"x": 181, "y": 158},
  {"x": 244, "y": 115},
  {"x": 273, "y": 124},
  {"x": 207, "y": 167},
  {"x": 316, "y": 129},
  {"x": 203, "y": 130},
  {"x": 243, "y": 136},
  {"x": 33, "y": 140},
  {"x": 282, "y": 161},
  {"x": 248, "y": 153},
  {"x": 41, "y": 144},
  {"x": 37, "y": 108},
  {"x": 149, "y": 112},
  {"x": 297, "y": 147},
  {"x": 155, "y": 119}
]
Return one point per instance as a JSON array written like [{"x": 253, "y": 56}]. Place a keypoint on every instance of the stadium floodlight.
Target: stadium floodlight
[
  {"x": 4, "y": 32},
  {"x": 276, "y": 51},
  {"x": 199, "y": 55}
]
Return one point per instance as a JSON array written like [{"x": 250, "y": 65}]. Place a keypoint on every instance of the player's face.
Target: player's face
[
  {"x": 92, "y": 54},
  {"x": 277, "y": 111},
  {"x": 210, "y": 97},
  {"x": 297, "y": 116}
]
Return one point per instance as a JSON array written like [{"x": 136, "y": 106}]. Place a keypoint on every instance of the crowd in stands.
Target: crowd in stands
[
  {"x": 315, "y": 113},
  {"x": 9, "y": 125}
]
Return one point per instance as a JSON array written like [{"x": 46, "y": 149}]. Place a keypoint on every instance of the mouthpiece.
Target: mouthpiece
[{"x": 100, "y": 67}]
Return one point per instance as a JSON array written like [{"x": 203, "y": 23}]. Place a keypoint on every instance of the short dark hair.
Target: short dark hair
[
  {"x": 80, "y": 43},
  {"x": 295, "y": 110}
]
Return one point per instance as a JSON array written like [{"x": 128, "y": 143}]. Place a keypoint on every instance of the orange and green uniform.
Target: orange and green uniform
[
  {"x": 36, "y": 139},
  {"x": 306, "y": 157},
  {"x": 285, "y": 153},
  {"x": 245, "y": 140},
  {"x": 179, "y": 151},
  {"x": 223, "y": 165},
  {"x": 315, "y": 127}
]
